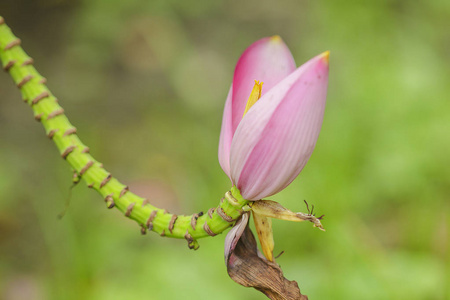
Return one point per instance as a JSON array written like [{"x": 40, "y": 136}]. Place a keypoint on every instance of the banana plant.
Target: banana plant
[{"x": 271, "y": 122}]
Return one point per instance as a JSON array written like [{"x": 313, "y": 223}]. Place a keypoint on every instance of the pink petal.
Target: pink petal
[
  {"x": 235, "y": 234},
  {"x": 277, "y": 136},
  {"x": 226, "y": 136},
  {"x": 268, "y": 60}
]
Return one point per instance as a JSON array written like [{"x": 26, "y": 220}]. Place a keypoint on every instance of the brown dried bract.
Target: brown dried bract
[
  {"x": 14, "y": 43},
  {"x": 27, "y": 62},
  {"x": 105, "y": 181},
  {"x": 210, "y": 212},
  {"x": 39, "y": 97},
  {"x": 246, "y": 268},
  {"x": 86, "y": 167},
  {"x": 143, "y": 230},
  {"x": 110, "y": 201},
  {"x": 9, "y": 65},
  {"x": 123, "y": 191},
  {"x": 208, "y": 230},
  {"x": 24, "y": 80},
  {"x": 130, "y": 209},
  {"x": 68, "y": 151},
  {"x": 55, "y": 113},
  {"x": 52, "y": 132},
  {"x": 192, "y": 244},
  {"x": 224, "y": 216},
  {"x": 172, "y": 222},
  {"x": 189, "y": 239},
  {"x": 70, "y": 131},
  {"x": 38, "y": 117},
  {"x": 194, "y": 221},
  {"x": 149, "y": 223}
]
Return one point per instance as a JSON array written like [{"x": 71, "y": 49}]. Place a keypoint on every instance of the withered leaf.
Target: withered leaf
[{"x": 248, "y": 269}]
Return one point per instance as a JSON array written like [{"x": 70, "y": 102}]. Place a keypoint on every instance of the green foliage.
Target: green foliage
[{"x": 144, "y": 82}]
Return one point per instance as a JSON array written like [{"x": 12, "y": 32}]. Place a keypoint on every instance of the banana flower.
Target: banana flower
[{"x": 271, "y": 121}]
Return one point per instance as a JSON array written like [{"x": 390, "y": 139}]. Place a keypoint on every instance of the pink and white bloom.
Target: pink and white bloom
[
  {"x": 263, "y": 151},
  {"x": 268, "y": 134}
]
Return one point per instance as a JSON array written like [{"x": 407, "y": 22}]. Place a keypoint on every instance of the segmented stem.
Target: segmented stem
[{"x": 58, "y": 128}]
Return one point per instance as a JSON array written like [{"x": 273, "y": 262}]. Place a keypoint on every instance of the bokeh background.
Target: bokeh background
[{"x": 145, "y": 83}]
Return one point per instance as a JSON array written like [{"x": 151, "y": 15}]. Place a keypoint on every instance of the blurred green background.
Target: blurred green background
[{"x": 145, "y": 83}]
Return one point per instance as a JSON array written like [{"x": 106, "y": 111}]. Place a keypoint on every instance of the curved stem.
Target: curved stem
[{"x": 58, "y": 128}]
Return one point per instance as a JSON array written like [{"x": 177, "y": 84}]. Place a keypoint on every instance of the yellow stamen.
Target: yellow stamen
[{"x": 254, "y": 96}]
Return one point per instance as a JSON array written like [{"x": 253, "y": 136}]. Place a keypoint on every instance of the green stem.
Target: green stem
[{"x": 58, "y": 128}]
